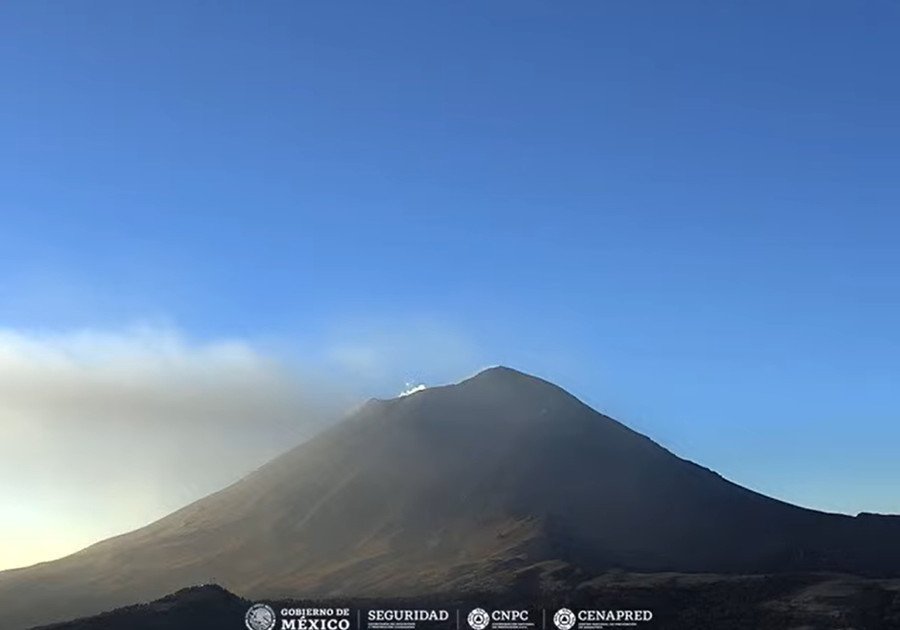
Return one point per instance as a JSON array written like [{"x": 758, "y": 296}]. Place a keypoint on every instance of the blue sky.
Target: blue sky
[{"x": 686, "y": 213}]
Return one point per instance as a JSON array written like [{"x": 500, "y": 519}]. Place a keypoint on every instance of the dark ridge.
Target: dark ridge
[{"x": 203, "y": 607}]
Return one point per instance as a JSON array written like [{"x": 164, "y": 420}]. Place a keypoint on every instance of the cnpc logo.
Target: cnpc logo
[{"x": 479, "y": 618}]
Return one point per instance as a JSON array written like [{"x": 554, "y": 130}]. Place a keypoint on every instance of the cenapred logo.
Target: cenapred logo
[
  {"x": 260, "y": 617},
  {"x": 564, "y": 619},
  {"x": 593, "y": 619},
  {"x": 479, "y": 619}
]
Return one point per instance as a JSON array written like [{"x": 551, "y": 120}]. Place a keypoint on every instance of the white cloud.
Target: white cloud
[{"x": 412, "y": 389}]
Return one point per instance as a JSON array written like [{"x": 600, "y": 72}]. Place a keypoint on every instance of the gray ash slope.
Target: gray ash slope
[{"x": 468, "y": 487}]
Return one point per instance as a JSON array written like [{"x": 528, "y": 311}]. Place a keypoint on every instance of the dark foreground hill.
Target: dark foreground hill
[
  {"x": 198, "y": 608},
  {"x": 677, "y": 602},
  {"x": 497, "y": 482}
]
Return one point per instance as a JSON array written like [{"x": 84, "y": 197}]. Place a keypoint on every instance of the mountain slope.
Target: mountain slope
[{"x": 475, "y": 486}]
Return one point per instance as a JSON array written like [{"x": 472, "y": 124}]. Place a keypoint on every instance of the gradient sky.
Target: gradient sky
[{"x": 685, "y": 213}]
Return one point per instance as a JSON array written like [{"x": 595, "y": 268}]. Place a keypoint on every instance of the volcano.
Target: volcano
[{"x": 503, "y": 481}]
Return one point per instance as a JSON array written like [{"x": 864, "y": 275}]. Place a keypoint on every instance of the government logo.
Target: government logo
[{"x": 260, "y": 617}]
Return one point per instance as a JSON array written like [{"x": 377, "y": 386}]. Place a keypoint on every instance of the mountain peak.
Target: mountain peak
[
  {"x": 500, "y": 371},
  {"x": 500, "y": 374},
  {"x": 502, "y": 382}
]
